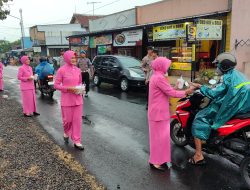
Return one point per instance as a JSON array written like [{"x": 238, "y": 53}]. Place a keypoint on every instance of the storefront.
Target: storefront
[
  {"x": 128, "y": 43},
  {"x": 100, "y": 45},
  {"x": 176, "y": 40},
  {"x": 79, "y": 43}
]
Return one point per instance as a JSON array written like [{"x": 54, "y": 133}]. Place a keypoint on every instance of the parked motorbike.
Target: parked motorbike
[
  {"x": 231, "y": 141},
  {"x": 46, "y": 86}
]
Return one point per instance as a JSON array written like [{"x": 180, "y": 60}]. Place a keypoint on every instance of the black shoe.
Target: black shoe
[
  {"x": 79, "y": 147},
  {"x": 36, "y": 114},
  {"x": 25, "y": 115},
  {"x": 66, "y": 140},
  {"x": 86, "y": 95},
  {"x": 161, "y": 168}
]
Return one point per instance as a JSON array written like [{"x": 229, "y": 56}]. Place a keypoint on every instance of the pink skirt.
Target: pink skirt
[
  {"x": 159, "y": 138},
  {"x": 72, "y": 122},
  {"x": 1, "y": 84},
  {"x": 29, "y": 101}
]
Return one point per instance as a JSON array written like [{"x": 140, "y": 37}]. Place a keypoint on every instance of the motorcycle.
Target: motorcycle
[
  {"x": 231, "y": 141},
  {"x": 46, "y": 86}
]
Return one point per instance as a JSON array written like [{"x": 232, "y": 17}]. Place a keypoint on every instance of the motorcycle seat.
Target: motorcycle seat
[{"x": 242, "y": 116}]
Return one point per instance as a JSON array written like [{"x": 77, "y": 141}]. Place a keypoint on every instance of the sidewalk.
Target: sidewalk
[{"x": 29, "y": 159}]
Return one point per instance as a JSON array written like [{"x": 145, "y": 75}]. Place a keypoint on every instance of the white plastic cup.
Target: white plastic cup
[{"x": 35, "y": 77}]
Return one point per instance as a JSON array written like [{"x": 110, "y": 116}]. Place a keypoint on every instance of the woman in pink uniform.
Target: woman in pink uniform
[
  {"x": 1, "y": 77},
  {"x": 159, "y": 114},
  {"x": 67, "y": 78},
  {"x": 25, "y": 75}
]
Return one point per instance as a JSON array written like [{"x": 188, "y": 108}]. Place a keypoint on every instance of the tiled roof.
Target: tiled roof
[{"x": 83, "y": 19}]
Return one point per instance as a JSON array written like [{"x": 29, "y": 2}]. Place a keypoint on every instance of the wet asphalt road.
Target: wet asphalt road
[{"x": 115, "y": 136}]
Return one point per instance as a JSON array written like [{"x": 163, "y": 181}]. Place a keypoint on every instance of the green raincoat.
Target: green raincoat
[{"x": 229, "y": 98}]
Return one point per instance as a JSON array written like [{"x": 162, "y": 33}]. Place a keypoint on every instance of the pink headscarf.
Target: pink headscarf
[
  {"x": 68, "y": 55},
  {"x": 24, "y": 59},
  {"x": 161, "y": 64}
]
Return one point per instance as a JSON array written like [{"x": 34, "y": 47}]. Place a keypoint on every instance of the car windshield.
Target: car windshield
[{"x": 129, "y": 62}]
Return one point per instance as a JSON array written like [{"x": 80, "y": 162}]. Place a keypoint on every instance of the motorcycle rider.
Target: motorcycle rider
[
  {"x": 229, "y": 98},
  {"x": 44, "y": 69}
]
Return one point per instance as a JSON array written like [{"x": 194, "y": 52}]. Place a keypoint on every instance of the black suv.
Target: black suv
[{"x": 119, "y": 70}]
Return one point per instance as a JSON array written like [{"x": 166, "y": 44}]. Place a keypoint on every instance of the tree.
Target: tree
[
  {"x": 4, "y": 12},
  {"x": 5, "y": 46},
  {"x": 16, "y": 43}
]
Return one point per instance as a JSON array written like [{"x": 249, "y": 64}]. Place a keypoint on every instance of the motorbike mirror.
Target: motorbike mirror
[{"x": 212, "y": 82}]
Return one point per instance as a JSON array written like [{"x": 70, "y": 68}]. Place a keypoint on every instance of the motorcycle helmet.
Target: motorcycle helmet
[
  {"x": 225, "y": 62},
  {"x": 43, "y": 58}
]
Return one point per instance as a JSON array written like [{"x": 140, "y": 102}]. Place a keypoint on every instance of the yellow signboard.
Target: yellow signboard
[
  {"x": 208, "y": 29},
  {"x": 169, "y": 32},
  {"x": 181, "y": 66}
]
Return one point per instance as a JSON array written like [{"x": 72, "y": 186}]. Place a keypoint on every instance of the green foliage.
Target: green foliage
[
  {"x": 6, "y": 46},
  {"x": 4, "y": 12},
  {"x": 205, "y": 75}
]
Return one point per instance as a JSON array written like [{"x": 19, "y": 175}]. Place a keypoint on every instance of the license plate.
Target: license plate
[{"x": 50, "y": 83}]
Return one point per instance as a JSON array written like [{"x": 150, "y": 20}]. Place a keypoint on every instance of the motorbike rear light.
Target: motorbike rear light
[{"x": 50, "y": 76}]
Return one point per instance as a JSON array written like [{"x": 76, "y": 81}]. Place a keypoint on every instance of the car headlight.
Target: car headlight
[{"x": 134, "y": 74}]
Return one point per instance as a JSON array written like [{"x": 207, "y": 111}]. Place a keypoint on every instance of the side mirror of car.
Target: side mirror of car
[{"x": 115, "y": 66}]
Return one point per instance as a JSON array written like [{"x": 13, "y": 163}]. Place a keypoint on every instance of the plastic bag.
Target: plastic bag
[{"x": 180, "y": 83}]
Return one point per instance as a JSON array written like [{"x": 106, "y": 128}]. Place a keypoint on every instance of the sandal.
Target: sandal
[{"x": 197, "y": 163}]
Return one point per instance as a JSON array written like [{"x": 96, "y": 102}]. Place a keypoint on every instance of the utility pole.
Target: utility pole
[
  {"x": 22, "y": 27},
  {"x": 93, "y": 3},
  {"x": 21, "y": 24}
]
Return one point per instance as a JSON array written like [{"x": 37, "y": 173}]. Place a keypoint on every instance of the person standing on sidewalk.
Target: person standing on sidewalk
[
  {"x": 146, "y": 67},
  {"x": 158, "y": 114},
  {"x": 68, "y": 77},
  {"x": 25, "y": 75},
  {"x": 155, "y": 54},
  {"x": 1, "y": 76},
  {"x": 85, "y": 65},
  {"x": 61, "y": 59}
]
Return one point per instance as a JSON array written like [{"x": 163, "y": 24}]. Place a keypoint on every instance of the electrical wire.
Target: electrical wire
[{"x": 82, "y": 13}]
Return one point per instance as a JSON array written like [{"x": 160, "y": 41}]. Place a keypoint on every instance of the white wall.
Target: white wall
[
  {"x": 240, "y": 30},
  {"x": 56, "y": 34},
  {"x": 117, "y": 20}
]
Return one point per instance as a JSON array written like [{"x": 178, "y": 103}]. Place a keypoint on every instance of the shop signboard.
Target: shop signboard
[
  {"x": 181, "y": 66},
  {"x": 191, "y": 34},
  {"x": 85, "y": 40},
  {"x": 37, "y": 49},
  {"x": 75, "y": 40},
  {"x": 128, "y": 38},
  {"x": 169, "y": 32},
  {"x": 104, "y": 49},
  {"x": 79, "y": 41},
  {"x": 100, "y": 40},
  {"x": 208, "y": 29},
  {"x": 150, "y": 35}
]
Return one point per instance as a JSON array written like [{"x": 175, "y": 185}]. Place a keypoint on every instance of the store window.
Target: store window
[
  {"x": 126, "y": 52},
  {"x": 164, "y": 51}
]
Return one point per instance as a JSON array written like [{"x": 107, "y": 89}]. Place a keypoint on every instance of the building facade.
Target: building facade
[
  {"x": 191, "y": 33},
  {"x": 50, "y": 39}
]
